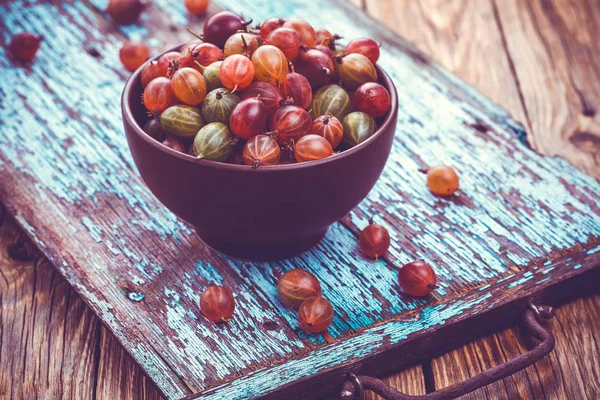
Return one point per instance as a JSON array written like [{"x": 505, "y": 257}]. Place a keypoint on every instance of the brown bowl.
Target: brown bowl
[{"x": 267, "y": 213}]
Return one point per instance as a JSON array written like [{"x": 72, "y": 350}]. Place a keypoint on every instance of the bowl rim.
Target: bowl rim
[{"x": 383, "y": 79}]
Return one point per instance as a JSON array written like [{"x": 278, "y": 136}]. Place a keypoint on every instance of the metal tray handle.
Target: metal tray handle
[{"x": 354, "y": 387}]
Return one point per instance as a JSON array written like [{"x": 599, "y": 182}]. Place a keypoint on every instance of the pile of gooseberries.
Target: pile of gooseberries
[{"x": 278, "y": 93}]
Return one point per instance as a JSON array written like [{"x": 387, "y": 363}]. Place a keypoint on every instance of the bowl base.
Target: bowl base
[{"x": 271, "y": 250}]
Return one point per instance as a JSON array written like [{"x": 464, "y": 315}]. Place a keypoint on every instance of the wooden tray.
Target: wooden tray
[{"x": 521, "y": 224}]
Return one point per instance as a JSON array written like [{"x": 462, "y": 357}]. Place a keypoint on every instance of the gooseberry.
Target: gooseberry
[
  {"x": 290, "y": 123},
  {"x": 23, "y": 46},
  {"x": 150, "y": 71},
  {"x": 220, "y": 26},
  {"x": 125, "y": 11},
  {"x": 270, "y": 65},
  {"x": 200, "y": 53},
  {"x": 328, "y": 127},
  {"x": 241, "y": 43},
  {"x": 327, "y": 51},
  {"x": 287, "y": 40},
  {"x": 374, "y": 240},
  {"x": 298, "y": 89},
  {"x": 169, "y": 61},
  {"x": 182, "y": 121},
  {"x": 218, "y": 105},
  {"x": 196, "y": 7},
  {"x": 249, "y": 118},
  {"x": 212, "y": 76},
  {"x": 261, "y": 150},
  {"x": 297, "y": 285},
  {"x": 236, "y": 72},
  {"x": 217, "y": 304},
  {"x": 315, "y": 314},
  {"x": 330, "y": 99},
  {"x": 174, "y": 144},
  {"x": 442, "y": 180},
  {"x": 365, "y": 46},
  {"x": 355, "y": 69},
  {"x": 324, "y": 37},
  {"x": 269, "y": 26},
  {"x": 133, "y": 54},
  {"x": 214, "y": 142},
  {"x": 189, "y": 86},
  {"x": 312, "y": 147},
  {"x": 155, "y": 130},
  {"x": 316, "y": 66},
  {"x": 372, "y": 98},
  {"x": 417, "y": 278},
  {"x": 358, "y": 127},
  {"x": 271, "y": 96},
  {"x": 158, "y": 95},
  {"x": 304, "y": 29}
]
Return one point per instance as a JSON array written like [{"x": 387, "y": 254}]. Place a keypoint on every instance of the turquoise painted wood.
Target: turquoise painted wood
[{"x": 520, "y": 221}]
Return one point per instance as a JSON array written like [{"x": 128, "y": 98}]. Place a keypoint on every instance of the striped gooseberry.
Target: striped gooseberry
[
  {"x": 331, "y": 99},
  {"x": 158, "y": 95},
  {"x": 312, "y": 147},
  {"x": 304, "y": 29},
  {"x": 297, "y": 285},
  {"x": 214, "y": 142},
  {"x": 218, "y": 105},
  {"x": 217, "y": 304},
  {"x": 374, "y": 240},
  {"x": 197, "y": 52},
  {"x": 261, "y": 150},
  {"x": 270, "y": 65},
  {"x": 355, "y": 69},
  {"x": 271, "y": 96},
  {"x": 328, "y": 127},
  {"x": 150, "y": 71},
  {"x": 189, "y": 86},
  {"x": 315, "y": 314},
  {"x": 324, "y": 37},
  {"x": 358, "y": 127},
  {"x": 212, "y": 76},
  {"x": 168, "y": 62},
  {"x": 182, "y": 121},
  {"x": 248, "y": 118},
  {"x": 269, "y": 26},
  {"x": 241, "y": 43},
  {"x": 365, "y": 46},
  {"x": 290, "y": 123},
  {"x": 316, "y": 66},
  {"x": 417, "y": 278},
  {"x": 298, "y": 89},
  {"x": 236, "y": 72},
  {"x": 372, "y": 98},
  {"x": 287, "y": 40}
]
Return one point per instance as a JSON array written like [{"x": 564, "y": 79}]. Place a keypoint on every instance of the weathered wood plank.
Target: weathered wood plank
[
  {"x": 570, "y": 371},
  {"x": 71, "y": 169}
]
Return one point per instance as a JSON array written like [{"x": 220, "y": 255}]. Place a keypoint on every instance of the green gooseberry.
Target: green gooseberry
[
  {"x": 358, "y": 127},
  {"x": 214, "y": 142},
  {"x": 218, "y": 105},
  {"x": 212, "y": 76},
  {"x": 331, "y": 99},
  {"x": 182, "y": 121},
  {"x": 355, "y": 69}
]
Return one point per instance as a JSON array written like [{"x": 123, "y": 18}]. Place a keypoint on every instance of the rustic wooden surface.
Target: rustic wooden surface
[{"x": 467, "y": 280}]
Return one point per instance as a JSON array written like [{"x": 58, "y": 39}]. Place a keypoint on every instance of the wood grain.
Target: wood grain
[{"x": 536, "y": 59}]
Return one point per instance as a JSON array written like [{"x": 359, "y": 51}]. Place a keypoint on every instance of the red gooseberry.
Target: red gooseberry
[
  {"x": 125, "y": 11},
  {"x": 174, "y": 144},
  {"x": 287, "y": 40},
  {"x": 271, "y": 96},
  {"x": 442, "y": 180},
  {"x": 365, "y": 46},
  {"x": 270, "y": 65},
  {"x": 324, "y": 37},
  {"x": 298, "y": 88},
  {"x": 158, "y": 95},
  {"x": 150, "y": 71},
  {"x": 316, "y": 66},
  {"x": 23, "y": 46},
  {"x": 217, "y": 304},
  {"x": 290, "y": 123},
  {"x": 241, "y": 43},
  {"x": 236, "y": 72},
  {"x": 374, "y": 240},
  {"x": 133, "y": 54},
  {"x": 312, "y": 147},
  {"x": 328, "y": 127},
  {"x": 248, "y": 118},
  {"x": 220, "y": 26},
  {"x": 417, "y": 278},
  {"x": 197, "y": 7},
  {"x": 155, "y": 130},
  {"x": 261, "y": 150},
  {"x": 297, "y": 285},
  {"x": 202, "y": 53},
  {"x": 315, "y": 314},
  {"x": 372, "y": 98},
  {"x": 355, "y": 69},
  {"x": 269, "y": 26},
  {"x": 304, "y": 29},
  {"x": 189, "y": 86},
  {"x": 169, "y": 62},
  {"x": 327, "y": 51}
]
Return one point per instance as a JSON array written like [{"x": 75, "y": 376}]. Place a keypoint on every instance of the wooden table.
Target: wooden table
[{"x": 536, "y": 59}]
